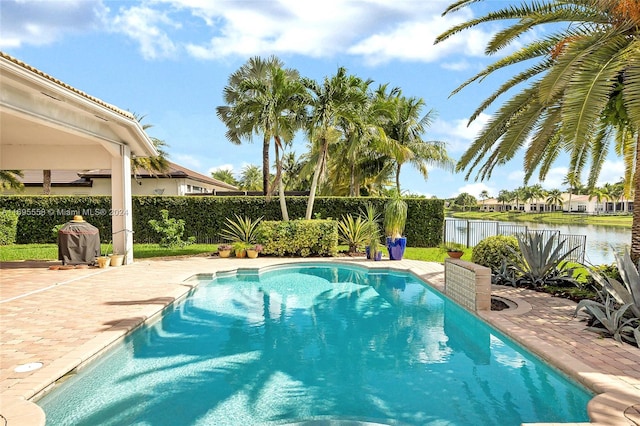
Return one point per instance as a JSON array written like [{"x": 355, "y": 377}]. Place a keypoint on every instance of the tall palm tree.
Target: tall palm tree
[
  {"x": 554, "y": 197},
  {"x": 599, "y": 194},
  {"x": 9, "y": 179},
  {"x": 504, "y": 197},
  {"x": 339, "y": 97},
  {"x": 580, "y": 90},
  {"x": 250, "y": 178},
  {"x": 405, "y": 130},
  {"x": 484, "y": 194},
  {"x": 266, "y": 99},
  {"x": 536, "y": 193},
  {"x": 225, "y": 175}
]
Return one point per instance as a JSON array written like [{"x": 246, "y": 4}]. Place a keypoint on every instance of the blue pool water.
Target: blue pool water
[{"x": 316, "y": 341}]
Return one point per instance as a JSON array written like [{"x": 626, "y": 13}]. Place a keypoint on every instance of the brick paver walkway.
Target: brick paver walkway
[{"x": 64, "y": 318}]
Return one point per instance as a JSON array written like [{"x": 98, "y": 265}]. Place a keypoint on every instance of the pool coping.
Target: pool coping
[{"x": 615, "y": 396}]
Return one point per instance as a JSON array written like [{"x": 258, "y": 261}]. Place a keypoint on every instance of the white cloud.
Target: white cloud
[
  {"x": 457, "y": 133},
  {"x": 475, "y": 189},
  {"x": 144, "y": 25},
  {"x": 612, "y": 172},
  {"x": 39, "y": 23}
]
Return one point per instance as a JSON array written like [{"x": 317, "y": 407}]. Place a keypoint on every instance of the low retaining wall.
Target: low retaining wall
[{"x": 468, "y": 284}]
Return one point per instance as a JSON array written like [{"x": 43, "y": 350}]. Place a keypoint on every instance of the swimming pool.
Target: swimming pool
[{"x": 316, "y": 341}]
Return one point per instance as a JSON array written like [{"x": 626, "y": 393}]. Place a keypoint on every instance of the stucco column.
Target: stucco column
[{"x": 121, "y": 205}]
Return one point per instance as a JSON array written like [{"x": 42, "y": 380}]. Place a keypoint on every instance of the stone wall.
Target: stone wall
[{"x": 468, "y": 284}]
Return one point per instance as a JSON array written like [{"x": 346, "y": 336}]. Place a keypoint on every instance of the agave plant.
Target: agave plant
[
  {"x": 353, "y": 232},
  {"x": 618, "y": 312},
  {"x": 540, "y": 263},
  {"x": 242, "y": 230}
]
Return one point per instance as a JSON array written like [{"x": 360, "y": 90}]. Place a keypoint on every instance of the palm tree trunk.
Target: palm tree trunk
[
  {"x": 265, "y": 165},
  {"x": 635, "y": 225},
  {"x": 352, "y": 180},
  {"x": 46, "y": 182},
  {"x": 398, "y": 178},
  {"x": 314, "y": 181},
  {"x": 280, "y": 183}
]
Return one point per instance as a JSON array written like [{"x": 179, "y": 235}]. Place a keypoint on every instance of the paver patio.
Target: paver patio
[{"x": 65, "y": 318}]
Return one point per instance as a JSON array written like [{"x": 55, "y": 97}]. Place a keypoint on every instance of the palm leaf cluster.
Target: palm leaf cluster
[
  {"x": 358, "y": 138},
  {"x": 579, "y": 87}
]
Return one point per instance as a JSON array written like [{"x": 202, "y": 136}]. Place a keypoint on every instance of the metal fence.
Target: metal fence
[{"x": 470, "y": 232}]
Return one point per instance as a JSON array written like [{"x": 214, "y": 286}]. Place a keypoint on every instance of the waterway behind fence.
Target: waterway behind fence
[{"x": 595, "y": 244}]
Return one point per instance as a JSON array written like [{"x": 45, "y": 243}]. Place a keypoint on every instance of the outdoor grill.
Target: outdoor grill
[{"x": 78, "y": 242}]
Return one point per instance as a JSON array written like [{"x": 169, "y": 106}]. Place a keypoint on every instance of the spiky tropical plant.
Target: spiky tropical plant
[
  {"x": 618, "y": 311},
  {"x": 353, "y": 232},
  {"x": 241, "y": 230},
  {"x": 541, "y": 262},
  {"x": 395, "y": 216}
]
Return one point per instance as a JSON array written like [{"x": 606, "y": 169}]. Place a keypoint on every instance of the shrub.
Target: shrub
[
  {"x": 171, "y": 231},
  {"x": 299, "y": 237},
  {"x": 492, "y": 251},
  {"x": 8, "y": 227}
]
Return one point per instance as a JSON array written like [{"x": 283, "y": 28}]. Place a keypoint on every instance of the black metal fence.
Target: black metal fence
[{"x": 470, "y": 232}]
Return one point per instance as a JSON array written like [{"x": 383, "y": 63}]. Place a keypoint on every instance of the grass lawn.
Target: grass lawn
[
  {"x": 557, "y": 218},
  {"x": 16, "y": 252}
]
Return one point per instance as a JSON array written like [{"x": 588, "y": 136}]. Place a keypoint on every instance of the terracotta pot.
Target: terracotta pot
[
  {"x": 252, "y": 254},
  {"x": 455, "y": 254},
  {"x": 224, "y": 253},
  {"x": 241, "y": 253}
]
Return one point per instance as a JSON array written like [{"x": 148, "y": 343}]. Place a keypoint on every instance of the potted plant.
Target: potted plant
[
  {"x": 395, "y": 218},
  {"x": 240, "y": 249},
  {"x": 454, "y": 250},
  {"x": 117, "y": 259},
  {"x": 242, "y": 232},
  {"x": 224, "y": 250},
  {"x": 104, "y": 260},
  {"x": 252, "y": 252}
]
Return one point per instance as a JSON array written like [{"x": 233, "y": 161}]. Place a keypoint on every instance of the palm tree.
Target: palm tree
[
  {"x": 338, "y": 98},
  {"x": 9, "y": 179},
  {"x": 504, "y": 196},
  {"x": 484, "y": 194},
  {"x": 580, "y": 93},
  {"x": 250, "y": 178},
  {"x": 599, "y": 194},
  {"x": 159, "y": 163},
  {"x": 554, "y": 197},
  {"x": 264, "y": 98},
  {"x": 225, "y": 175},
  {"x": 536, "y": 193},
  {"x": 405, "y": 130}
]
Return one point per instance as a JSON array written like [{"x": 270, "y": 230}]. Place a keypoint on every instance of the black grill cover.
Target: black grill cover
[{"x": 78, "y": 243}]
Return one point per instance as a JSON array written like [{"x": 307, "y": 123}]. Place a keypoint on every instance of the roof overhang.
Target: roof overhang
[{"x": 46, "y": 124}]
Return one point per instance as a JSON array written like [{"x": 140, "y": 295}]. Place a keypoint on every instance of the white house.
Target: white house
[{"x": 570, "y": 203}]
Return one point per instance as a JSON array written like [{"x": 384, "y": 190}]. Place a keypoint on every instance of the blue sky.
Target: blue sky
[{"x": 170, "y": 60}]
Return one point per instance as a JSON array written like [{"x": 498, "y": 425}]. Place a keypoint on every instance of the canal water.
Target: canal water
[{"x": 602, "y": 241}]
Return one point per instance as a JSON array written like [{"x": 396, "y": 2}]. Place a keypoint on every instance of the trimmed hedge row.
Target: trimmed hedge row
[
  {"x": 299, "y": 237},
  {"x": 205, "y": 216},
  {"x": 8, "y": 227}
]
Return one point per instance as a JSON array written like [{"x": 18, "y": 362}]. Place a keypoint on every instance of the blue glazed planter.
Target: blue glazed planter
[{"x": 396, "y": 248}]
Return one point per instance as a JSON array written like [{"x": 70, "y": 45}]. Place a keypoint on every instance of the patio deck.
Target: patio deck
[{"x": 64, "y": 319}]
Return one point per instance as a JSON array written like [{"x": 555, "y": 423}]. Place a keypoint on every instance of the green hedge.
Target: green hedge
[
  {"x": 206, "y": 216},
  {"x": 8, "y": 227},
  {"x": 299, "y": 237}
]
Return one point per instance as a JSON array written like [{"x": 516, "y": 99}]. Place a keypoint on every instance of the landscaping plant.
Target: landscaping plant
[
  {"x": 241, "y": 230},
  {"x": 171, "y": 231},
  {"x": 353, "y": 232},
  {"x": 617, "y": 314},
  {"x": 540, "y": 262}
]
